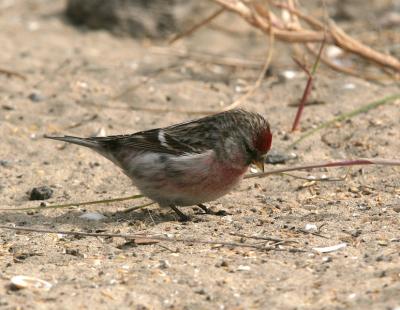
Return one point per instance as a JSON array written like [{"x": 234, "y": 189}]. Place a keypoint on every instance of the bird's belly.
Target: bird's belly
[
  {"x": 184, "y": 181},
  {"x": 199, "y": 190}
]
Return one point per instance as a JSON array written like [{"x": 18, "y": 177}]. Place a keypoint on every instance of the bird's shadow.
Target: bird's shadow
[{"x": 148, "y": 217}]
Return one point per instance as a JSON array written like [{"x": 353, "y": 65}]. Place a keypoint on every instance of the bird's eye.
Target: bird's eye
[{"x": 251, "y": 152}]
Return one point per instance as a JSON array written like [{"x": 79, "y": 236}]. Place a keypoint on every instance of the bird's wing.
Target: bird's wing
[
  {"x": 174, "y": 140},
  {"x": 192, "y": 137}
]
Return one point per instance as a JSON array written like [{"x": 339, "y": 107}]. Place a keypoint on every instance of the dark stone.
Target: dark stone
[
  {"x": 4, "y": 163},
  {"x": 7, "y": 107},
  {"x": 35, "y": 97},
  {"x": 41, "y": 193},
  {"x": 275, "y": 157},
  {"x": 138, "y": 18}
]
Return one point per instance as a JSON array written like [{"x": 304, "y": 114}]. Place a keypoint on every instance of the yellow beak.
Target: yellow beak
[{"x": 259, "y": 163}]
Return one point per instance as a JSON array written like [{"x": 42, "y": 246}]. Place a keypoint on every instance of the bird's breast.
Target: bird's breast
[{"x": 183, "y": 180}]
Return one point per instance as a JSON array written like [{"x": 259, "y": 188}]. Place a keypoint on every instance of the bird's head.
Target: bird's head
[
  {"x": 246, "y": 137},
  {"x": 260, "y": 143}
]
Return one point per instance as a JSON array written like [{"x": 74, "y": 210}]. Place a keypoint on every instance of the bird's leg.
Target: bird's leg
[
  {"x": 205, "y": 209},
  {"x": 182, "y": 217},
  {"x": 209, "y": 211}
]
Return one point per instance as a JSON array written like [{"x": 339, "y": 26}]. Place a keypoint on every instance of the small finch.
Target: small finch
[{"x": 189, "y": 163}]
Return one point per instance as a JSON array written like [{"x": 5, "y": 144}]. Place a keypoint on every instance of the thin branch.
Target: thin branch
[
  {"x": 317, "y": 179},
  {"x": 12, "y": 73},
  {"x": 128, "y": 210},
  {"x": 151, "y": 238},
  {"x": 201, "y": 56},
  {"x": 307, "y": 89},
  {"x": 197, "y": 26},
  {"x": 334, "y": 35},
  {"x": 347, "y": 70},
  {"x": 73, "y": 204},
  {"x": 260, "y": 78},
  {"x": 352, "y": 45},
  {"x": 313, "y": 22},
  {"x": 345, "y": 116},
  {"x": 274, "y": 239},
  {"x": 344, "y": 163}
]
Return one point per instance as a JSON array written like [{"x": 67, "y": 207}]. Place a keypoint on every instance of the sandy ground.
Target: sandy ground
[{"x": 83, "y": 83}]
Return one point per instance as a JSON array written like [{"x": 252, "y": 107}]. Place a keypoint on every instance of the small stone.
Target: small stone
[
  {"x": 356, "y": 232},
  {"x": 363, "y": 207},
  {"x": 396, "y": 209},
  {"x": 92, "y": 216},
  {"x": 4, "y": 163},
  {"x": 200, "y": 291},
  {"x": 35, "y": 96},
  {"x": 311, "y": 227},
  {"x": 73, "y": 252},
  {"x": 243, "y": 268},
  {"x": 41, "y": 193},
  {"x": 383, "y": 258},
  {"x": 354, "y": 189},
  {"x": 276, "y": 157},
  {"x": 25, "y": 282},
  {"x": 163, "y": 264},
  {"x": 383, "y": 242},
  {"x": 222, "y": 263},
  {"x": 287, "y": 75}
]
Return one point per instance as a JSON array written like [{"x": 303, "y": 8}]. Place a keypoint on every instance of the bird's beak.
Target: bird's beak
[{"x": 259, "y": 163}]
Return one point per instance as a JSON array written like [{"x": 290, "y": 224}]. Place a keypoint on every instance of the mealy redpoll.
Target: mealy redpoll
[{"x": 189, "y": 163}]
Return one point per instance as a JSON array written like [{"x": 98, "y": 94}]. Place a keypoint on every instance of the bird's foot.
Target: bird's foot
[
  {"x": 211, "y": 212},
  {"x": 182, "y": 217}
]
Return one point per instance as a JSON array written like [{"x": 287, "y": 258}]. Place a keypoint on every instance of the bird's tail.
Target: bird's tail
[{"x": 90, "y": 143}]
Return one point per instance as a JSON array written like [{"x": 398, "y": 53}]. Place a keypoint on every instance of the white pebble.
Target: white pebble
[
  {"x": 349, "y": 86},
  {"x": 332, "y": 248},
  {"x": 333, "y": 51},
  {"x": 243, "y": 268},
  {"x": 92, "y": 216},
  {"x": 21, "y": 282},
  {"x": 311, "y": 227},
  {"x": 289, "y": 74}
]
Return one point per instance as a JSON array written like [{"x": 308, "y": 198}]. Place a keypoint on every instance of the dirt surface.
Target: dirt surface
[{"x": 85, "y": 83}]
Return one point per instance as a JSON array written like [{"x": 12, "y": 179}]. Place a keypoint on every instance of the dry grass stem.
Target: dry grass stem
[
  {"x": 155, "y": 238},
  {"x": 260, "y": 78},
  {"x": 294, "y": 32},
  {"x": 197, "y": 26}
]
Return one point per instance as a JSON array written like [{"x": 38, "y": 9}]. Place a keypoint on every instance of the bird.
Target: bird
[{"x": 189, "y": 163}]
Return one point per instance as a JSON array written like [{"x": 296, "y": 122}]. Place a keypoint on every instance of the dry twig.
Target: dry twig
[
  {"x": 285, "y": 32},
  {"x": 150, "y": 238},
  {"x": 344, "y": 116},
  {"x": 307, "y": 89},
  {"x": 343, "y": 163},
  {"x": 197, "y": 26},
  {"x": 263, "y": 72},
  {"x": 12, "y": 73}
]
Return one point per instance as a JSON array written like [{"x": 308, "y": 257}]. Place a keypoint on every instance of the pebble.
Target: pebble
[
  {"x": 35, "y": 96},
  {"x": 20, "y": 282},
  {"x": 92, "y": 216},
  {"x": 163, "y": 264},
  {"x": 311, "y": 227},
  {"x": 243, "y": 268},
  {"x": 288, "y": 75},
  {"x": 41, "y": 193},
  {"x": 396, "y": 209},
  {"x": 276, "y": 157},
  {"x": 4, "y": 163}
]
